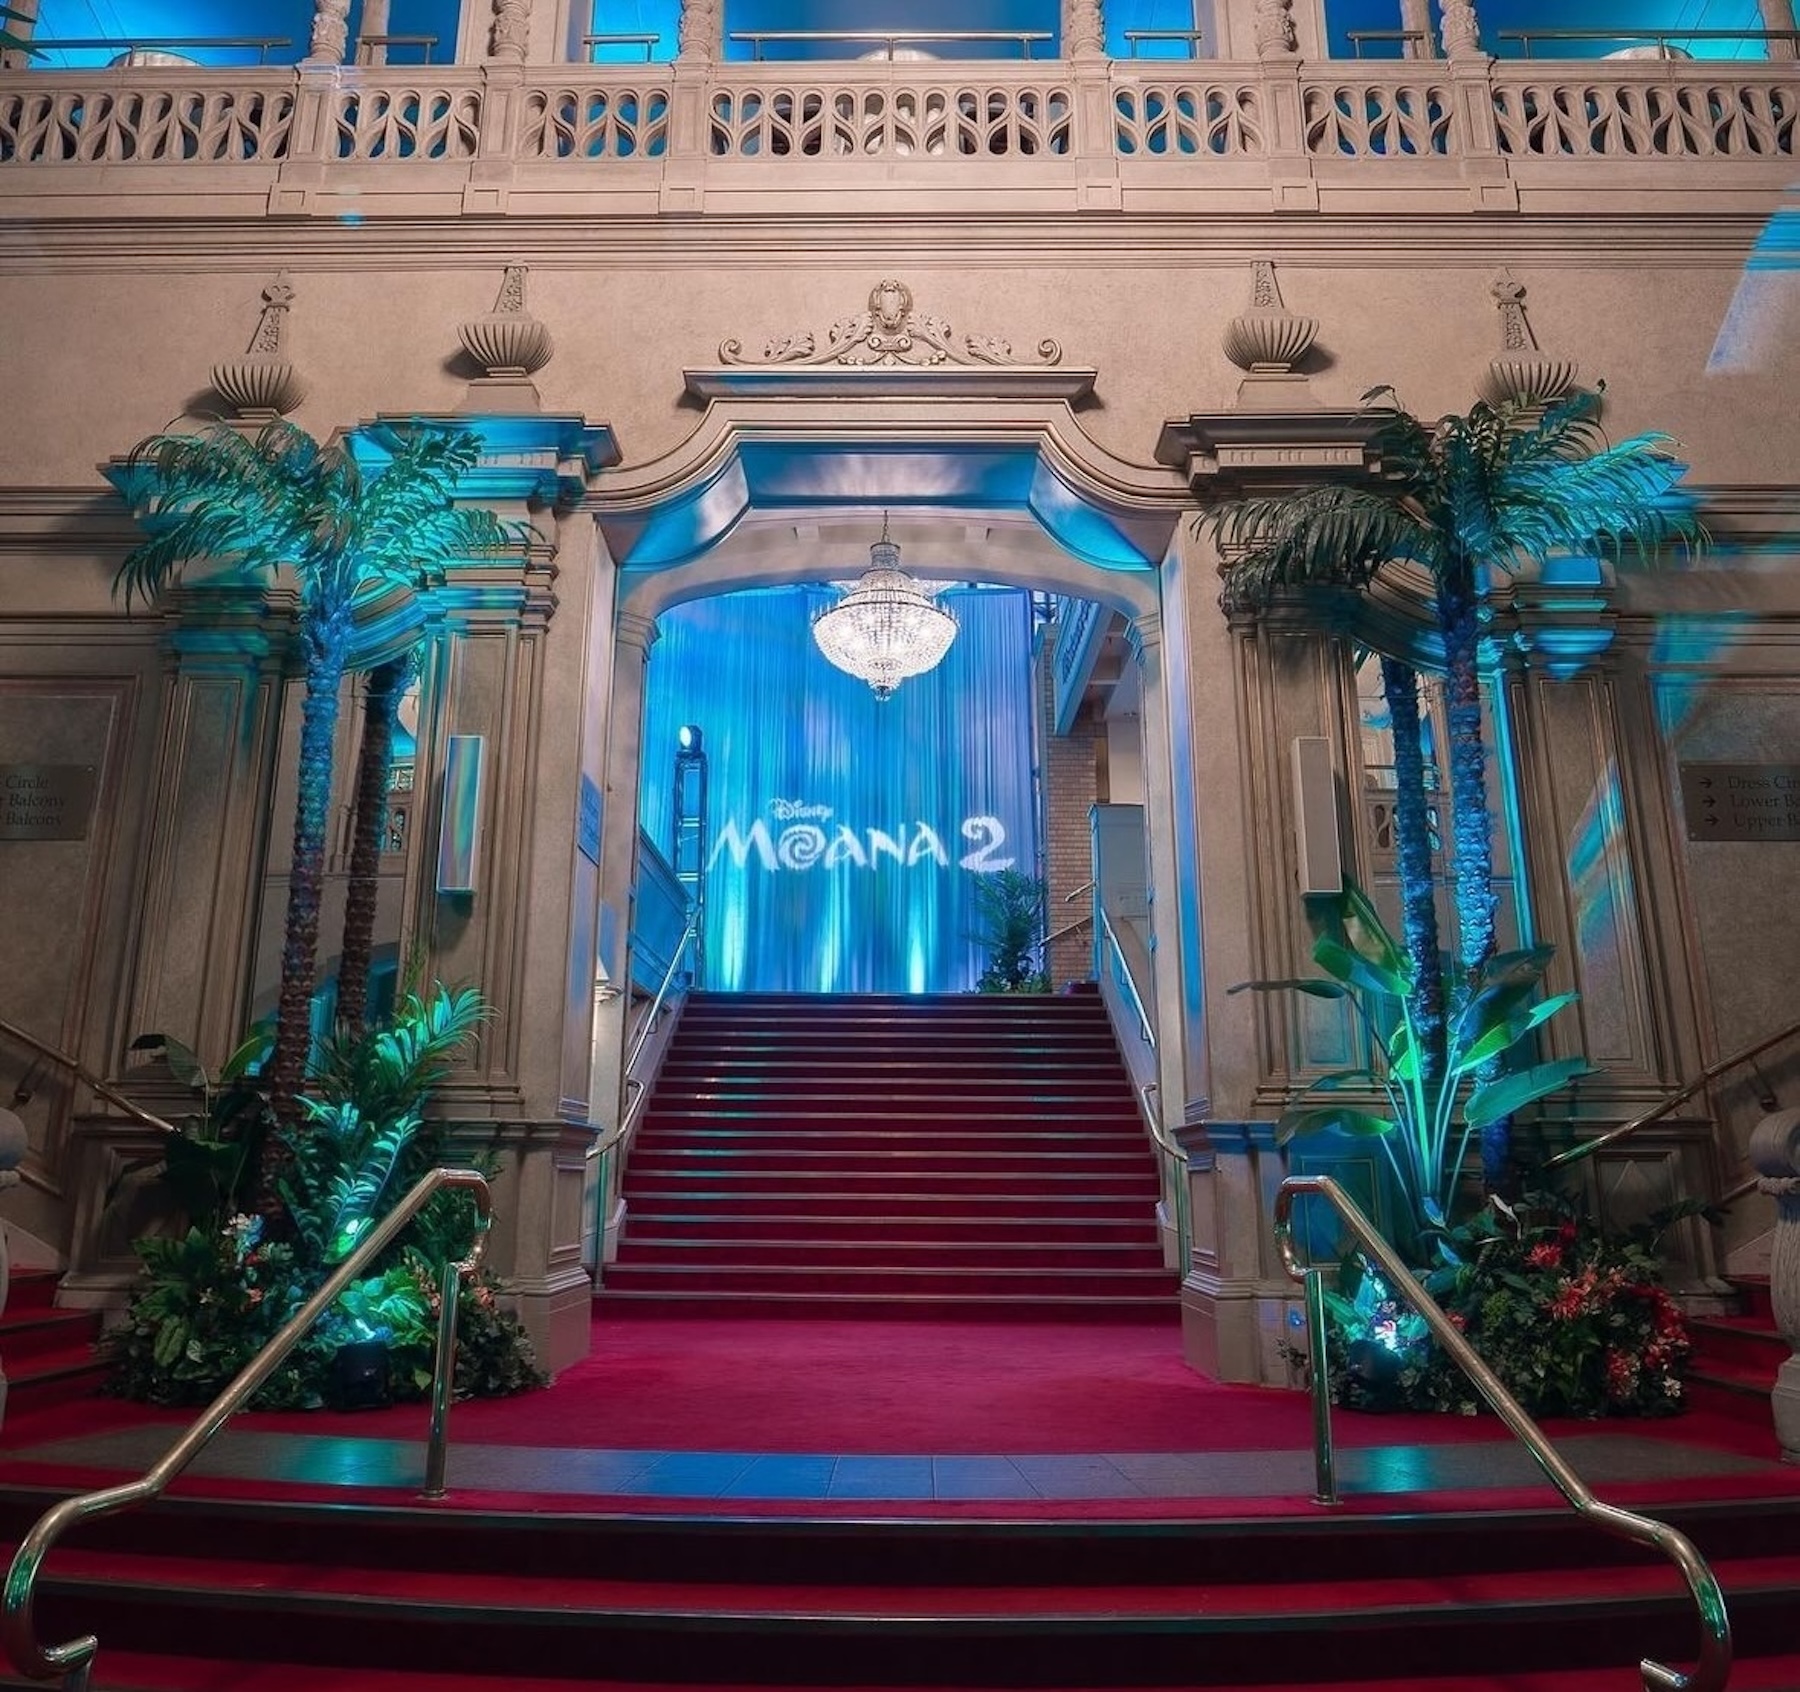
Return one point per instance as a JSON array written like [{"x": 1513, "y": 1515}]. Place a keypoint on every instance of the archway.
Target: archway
[{"x": 771, "y": 491}]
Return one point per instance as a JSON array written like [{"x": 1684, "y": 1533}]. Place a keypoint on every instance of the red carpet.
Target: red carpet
[{"x": 892, "y": 1387}]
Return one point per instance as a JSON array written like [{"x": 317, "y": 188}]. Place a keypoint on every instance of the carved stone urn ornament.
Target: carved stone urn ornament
[
  {"x": 1461, "y": 30},
  {"x": 1522, "y": 374},
  {"x": 508, "y": 343},
  {"x": 330, "y": 33},
  {"x": 511, "y": 31},
  {"x": 1267, "y": 341},
  {"x": 263, "y": 385}
]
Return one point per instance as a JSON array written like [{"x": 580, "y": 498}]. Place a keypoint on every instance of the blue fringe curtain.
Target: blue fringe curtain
[{"x": 844, "y": 832}]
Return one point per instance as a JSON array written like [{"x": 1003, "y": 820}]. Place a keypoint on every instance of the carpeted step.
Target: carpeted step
[
  {"x": 1071, "y": 1203},
  {"x": 135, "y": 1671},
  {"x": 774, "y": 1604},
  {"x": 869, "y": 1279},
  {"x": 929, "y": 1226},
  {"x": 880, "y": 1252},
  {"x": 48, "y": 1354},
  {"x": 868, "y": 1124}
]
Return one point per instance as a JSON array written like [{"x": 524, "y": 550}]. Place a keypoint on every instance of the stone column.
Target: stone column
[
  {"x": 1416, "y": 15},
  {"x": 1461, "y": 30},
  {"x": 700, "y": 35},
  {"x": 330, "y": 33},
  {"x": 374, "y": 23},
  {"x": 1778, "y": 14},
  {"x": 633, "y": 636},
  {"x": 510, "y": 669},
  {"x": 1083, "y": 30},
  {"x": 1775, "y": 1155},
  {"x": 510, "y": 38},
  {"x": 213, "y": 784}
]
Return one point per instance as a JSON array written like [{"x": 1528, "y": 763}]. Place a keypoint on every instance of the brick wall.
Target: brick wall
[{"x": 1071, "y": 774}]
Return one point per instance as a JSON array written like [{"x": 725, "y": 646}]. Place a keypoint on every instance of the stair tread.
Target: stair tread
[{"x": 1351, "y": 1601}]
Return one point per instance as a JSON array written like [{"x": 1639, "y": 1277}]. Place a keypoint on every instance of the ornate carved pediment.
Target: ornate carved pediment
[{"x": 891, "y": 346}]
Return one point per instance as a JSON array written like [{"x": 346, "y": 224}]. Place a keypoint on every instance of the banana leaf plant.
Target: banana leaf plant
[{"x": 1422, "y": 1120}]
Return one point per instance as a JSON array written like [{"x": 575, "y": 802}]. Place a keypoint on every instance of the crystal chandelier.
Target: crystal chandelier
[{"x": 887, "y": 626}]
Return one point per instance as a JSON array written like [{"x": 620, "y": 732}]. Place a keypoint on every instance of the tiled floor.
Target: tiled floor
[{"x": 1600, "y": 1458}]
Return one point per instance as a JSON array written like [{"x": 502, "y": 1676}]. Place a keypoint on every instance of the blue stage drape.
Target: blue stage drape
[{"x": 845, "y": 832}]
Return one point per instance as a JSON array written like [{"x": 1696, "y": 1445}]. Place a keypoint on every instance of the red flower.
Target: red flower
[{"x": 1545, "y": 1255}]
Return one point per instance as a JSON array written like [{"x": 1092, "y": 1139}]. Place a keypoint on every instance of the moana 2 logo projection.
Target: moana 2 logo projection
[{"x": 798, "y": 836}]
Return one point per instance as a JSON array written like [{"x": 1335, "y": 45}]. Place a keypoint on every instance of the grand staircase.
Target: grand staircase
[{"x": 866, "y": 1156}]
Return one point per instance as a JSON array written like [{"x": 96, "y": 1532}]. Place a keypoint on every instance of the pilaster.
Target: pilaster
[{"x": 215, "y": 769}]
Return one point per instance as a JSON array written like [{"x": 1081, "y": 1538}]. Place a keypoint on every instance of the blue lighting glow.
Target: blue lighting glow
[{"x": 846, "y": 832}]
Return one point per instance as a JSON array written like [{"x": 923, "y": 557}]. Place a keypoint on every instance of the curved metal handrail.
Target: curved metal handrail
[
  {"x": 1714, "y": 1665},
  {"x": 688, "y": 935},
  {"x": 87, "y": 1077},
  {"x": 1130, "y": 981},
  {"x": 1657, "y": 1112},
  {"x": 73, "y": 1658}
]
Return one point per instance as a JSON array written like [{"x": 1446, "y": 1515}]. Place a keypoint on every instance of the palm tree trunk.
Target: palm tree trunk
[
  {"x": 1458, "y": 612},
  {"x": 387, "y": 684},
  {"x": 327, "y": 643},
  {"x": 1412, "y": 853}
]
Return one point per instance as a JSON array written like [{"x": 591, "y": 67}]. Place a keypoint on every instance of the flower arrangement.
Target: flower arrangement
[{"x": 1573, "y": 1323}]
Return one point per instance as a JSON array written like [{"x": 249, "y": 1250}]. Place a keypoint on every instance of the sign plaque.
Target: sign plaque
[
  {"x": 1741, "y": 801},
  {"x": 46, "y": 801}
]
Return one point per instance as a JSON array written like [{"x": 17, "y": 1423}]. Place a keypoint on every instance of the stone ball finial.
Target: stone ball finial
[{"x": 263, "y": 384}]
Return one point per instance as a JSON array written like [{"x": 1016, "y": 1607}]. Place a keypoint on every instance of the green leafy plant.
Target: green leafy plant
[
  {"x": 1425, "y": 1127},
  {"x": 211, "y": 1299},
  {"x": 1009, "y": 905},
  {"x": 1573, "y": 1323},
  {"x": 1469, "y": 497},
  {"x": 210, "y": 1165}
]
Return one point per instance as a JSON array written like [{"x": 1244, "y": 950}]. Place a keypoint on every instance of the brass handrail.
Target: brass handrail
[
  {"x": 73, "y": 1659},
  {"x": 87, "y": 1077},
  {"x": 1131, "y": 986},
  {"x": 1706, "y": 1076},
  {"x": 688, "y": 934},
  {"x": 1714, "y": 1665}
]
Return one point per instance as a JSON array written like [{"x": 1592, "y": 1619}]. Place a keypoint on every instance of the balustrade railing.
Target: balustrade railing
[{"x": 1137, "y": 112}]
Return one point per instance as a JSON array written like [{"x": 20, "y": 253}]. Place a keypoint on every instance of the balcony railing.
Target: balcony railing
[{"x": 1144, "y": 116}]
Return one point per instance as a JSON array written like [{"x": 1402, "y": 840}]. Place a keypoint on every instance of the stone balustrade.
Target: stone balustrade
[{"x": 1144, "y": 118}]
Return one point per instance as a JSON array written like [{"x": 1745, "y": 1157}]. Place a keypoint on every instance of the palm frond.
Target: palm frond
[
  {"x": 1329, "y": 536},
  {"x": 1622, "y": 495}
]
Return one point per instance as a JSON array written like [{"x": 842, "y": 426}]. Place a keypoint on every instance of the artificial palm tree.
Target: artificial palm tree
[
  {"x": 387, "y": 685},
  {"x": 280, "y": 499},
  {"x": 1470, "y": 496}
]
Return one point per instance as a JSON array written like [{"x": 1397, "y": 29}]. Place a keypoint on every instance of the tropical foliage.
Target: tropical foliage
[
  {"x": 1463, "y": 499},
  {"x": 213, "y": 1296},
  {"x": 1009, "y": 905},
  {"x": 1573, "y": 1323},
  {"x": 1430, "y": 1114},
  {"x": 279, "y": 499}
]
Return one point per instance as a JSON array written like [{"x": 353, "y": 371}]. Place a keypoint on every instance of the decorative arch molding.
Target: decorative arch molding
[{"x": 809, "y": 457}]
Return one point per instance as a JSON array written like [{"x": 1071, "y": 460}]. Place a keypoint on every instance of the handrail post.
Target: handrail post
[
  {"x": 1325, "y": 1489},
  {"x": 443, "y": 1378}
]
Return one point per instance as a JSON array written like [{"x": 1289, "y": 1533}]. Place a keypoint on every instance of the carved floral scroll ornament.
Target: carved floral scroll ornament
[{"x": 889, "y": 333}]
